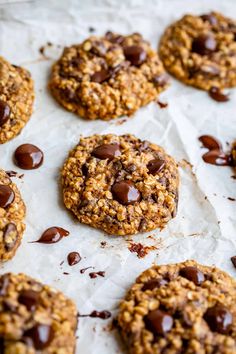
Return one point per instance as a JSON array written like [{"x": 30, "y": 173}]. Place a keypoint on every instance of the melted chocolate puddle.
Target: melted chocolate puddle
[
  {"x": 217, "y": 95},
  {"x": 52, "y": 235},
  {"x": 104, "y": 315},
  {"x": 215, "y": 155},
  {"x": 73, "y": 258}
]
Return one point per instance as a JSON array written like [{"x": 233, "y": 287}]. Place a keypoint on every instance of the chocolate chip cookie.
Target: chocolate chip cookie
[
  {"x": 16, "y": 99},
  {"x": 201, "y": 50},
  {"x": 120, "y": 184},
  {"x": 106, "y": 77},
  {"x": 12, "y": 213},
  {"x": 34, "y": 318},
  {"x": 180, "y": 308}
]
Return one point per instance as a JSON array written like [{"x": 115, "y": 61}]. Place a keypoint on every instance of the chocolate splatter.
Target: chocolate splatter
[
  {"x": 104, "y": 315},
  {"x": 140, "y": 249},
  {"x": 94, "y": 275},
  {"x": 162, "y": 104}
]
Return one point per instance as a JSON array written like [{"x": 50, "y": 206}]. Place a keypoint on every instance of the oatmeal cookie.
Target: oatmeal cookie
[
  {"x": 201, "y": 50},
  {"x": 12, "y": 213},
  {"x": 106, "y": 77},
  {"x": 16, "y": 99},
  {"x": 34, "y": 318},
  {"x": 180, "y": 308},
  {"x": 120, "y": 184}
]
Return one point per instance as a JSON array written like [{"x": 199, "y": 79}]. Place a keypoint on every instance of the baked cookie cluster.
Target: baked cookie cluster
[
  {"x": 123, "y": 186},
  {"x": 16, "y": 99},
  {"x": 120, "y": 184},
  {"x": 180, "y": 308},
  {"x": 201, "y": 50},
  {"x": 12, "y": 213},
  {"x": 106, "y": 77},
  {"x": 35, "y": 318}
]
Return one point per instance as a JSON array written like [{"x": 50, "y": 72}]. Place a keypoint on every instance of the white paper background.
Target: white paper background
[{"x": 203, "y": 230}]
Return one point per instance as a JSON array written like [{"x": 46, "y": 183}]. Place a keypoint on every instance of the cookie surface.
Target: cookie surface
[
  {"x": 12, "y": 213},
  {"x": 201, "y": 50},
  {"x": 16, "y": 99},
  {"x": 180, "y": 308},
  {"x": 35, "y": 318},
  {"x": 120, "y": 184},
  {"x": 106, "y": 77}
]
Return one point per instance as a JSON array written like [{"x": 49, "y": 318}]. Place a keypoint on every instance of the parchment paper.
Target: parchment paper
[{"x": 204, "y": 228}]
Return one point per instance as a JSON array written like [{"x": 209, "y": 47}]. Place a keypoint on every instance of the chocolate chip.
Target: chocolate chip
[
  {"x": 29, "y": 298},
  {"x": 5, "y": 112},
  {"x": 233, "y": 260},
  {"x": 41, "y": 335},
  {"x": 4, "y": 282},
  {"x": 114, "y": 38},
  {"x": 7, "y": 196},
  {"x": 10, "y": 236},
  {"x": 28, "y": 157},
  {"x": 161, "y": 80},
  {"x": 156, "y": 165},
  {"x": 100, "y": 76},
  {"x": 85, "y": 169},
  {"x": 154, "y": 283},
  {"x": 159, "y": 322},
  {"x": 209, "y": 142},
  {"x": 2, "y": 346},
  {"x": 210, "y": 18},
  {"x": 219, "y": 319},
  {"x": 107, "y": 151},
  {"x": 135, "y": 54},
  {"x": 193, "y": 274},
  {"x": 216, "y": 157},
  {"x": 216, "y": 94},
  {"x": 204, "y": 44},
  {"x": 73, "y": 258},
  {"x": 125, "y": 192}
]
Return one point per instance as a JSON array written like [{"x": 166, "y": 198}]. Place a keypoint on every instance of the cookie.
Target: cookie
[
  {"x": 16, "y": 99},
  {"x": 34, "y": 318},
  {"x": 180, "y": 308},
  {"x": 107, "y": 77},
  {"x": 120, "y": 184},
  {"x": 12, "y": 213},
  {"x": 201, "y": 50}
]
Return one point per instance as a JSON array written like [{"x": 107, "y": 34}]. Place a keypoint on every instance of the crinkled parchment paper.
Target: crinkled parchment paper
[{"x": 204, "y": 228}]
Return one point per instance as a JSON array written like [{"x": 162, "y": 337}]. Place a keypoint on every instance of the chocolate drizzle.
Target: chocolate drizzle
[
  {"x": 104, "y": 315},
  {"x": 215, "y": 155},
  {"x": 53, "y": 235}
]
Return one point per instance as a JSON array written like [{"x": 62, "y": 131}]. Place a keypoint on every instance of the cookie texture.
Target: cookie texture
[
  {"x": 201, "y": 50},
  {"x": 180, "y": 308},
  {"x": 120, "y": 184},
  {"x": 12, "y": 213},
  {"x": 35, "y": 318},
  {"x": 16, "y": 99},
  {"x": 106, "y": 77}
]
